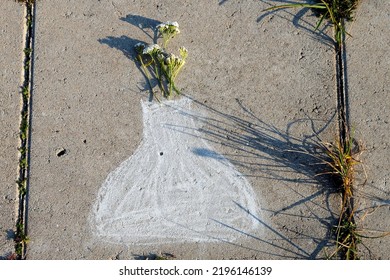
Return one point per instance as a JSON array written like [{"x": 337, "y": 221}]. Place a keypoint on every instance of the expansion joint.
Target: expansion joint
[{"x": 21, "y": 238}]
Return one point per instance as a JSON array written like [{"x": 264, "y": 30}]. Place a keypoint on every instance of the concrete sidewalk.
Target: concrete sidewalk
[
  {"x": 244, "y": 67},
  {"x": 369, "y": 83},
  {"x": 262, "y": 90},
  {"x": 11, "y": 56}
]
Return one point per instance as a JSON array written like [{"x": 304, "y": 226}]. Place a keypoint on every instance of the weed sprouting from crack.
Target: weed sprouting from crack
[
  {"x": 21, "y": 238},
  {"x": 342, "y": 159},
  {"x": 157, "y": 62}
]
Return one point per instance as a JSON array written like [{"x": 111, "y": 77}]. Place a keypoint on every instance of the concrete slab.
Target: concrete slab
[
  {"x": 11, "y": 65},
  {"x": 368, "y": 81},
  {"x": 263, "y": 91}
]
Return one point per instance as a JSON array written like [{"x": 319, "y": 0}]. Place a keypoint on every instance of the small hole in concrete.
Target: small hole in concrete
[
  {"x": 61, "y": 152},
  {"x": 161, "y": 153}
]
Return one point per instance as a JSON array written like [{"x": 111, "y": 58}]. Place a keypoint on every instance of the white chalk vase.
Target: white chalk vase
[{"x": 174, "y": 188}]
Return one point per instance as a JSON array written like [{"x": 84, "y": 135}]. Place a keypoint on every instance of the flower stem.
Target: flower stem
[
  {"x": 147, "y": 76},
  {"x": 158, "y": 76}
]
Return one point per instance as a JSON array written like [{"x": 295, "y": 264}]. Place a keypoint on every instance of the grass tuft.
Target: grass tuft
[
  {"x": 21, "y": 239},
  {"x": 341, "y": 159}
]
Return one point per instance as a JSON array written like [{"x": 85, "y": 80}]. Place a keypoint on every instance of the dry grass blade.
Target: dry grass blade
[
  {"x": 336, "y": 11},
  {"x": 342, "y": 158}
]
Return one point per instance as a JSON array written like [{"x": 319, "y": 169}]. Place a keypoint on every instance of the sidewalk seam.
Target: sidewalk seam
[{"x": 24, "y": 135}]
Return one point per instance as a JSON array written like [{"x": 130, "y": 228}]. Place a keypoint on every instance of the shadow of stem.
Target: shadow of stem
[{"x": 298, "y": 19}]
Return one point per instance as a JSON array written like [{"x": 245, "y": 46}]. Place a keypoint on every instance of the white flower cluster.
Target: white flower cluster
[
  {"x": 150, "y": 49},
  {"x": 174, "y": 62},
  {"x": 168, "y": 30},
  {"x": 139, "y": 47},
  {"x": 171, "y": 26}
]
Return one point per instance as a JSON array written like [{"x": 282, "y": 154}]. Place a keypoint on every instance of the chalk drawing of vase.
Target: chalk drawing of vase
[{"x": 174, "y": 188}]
